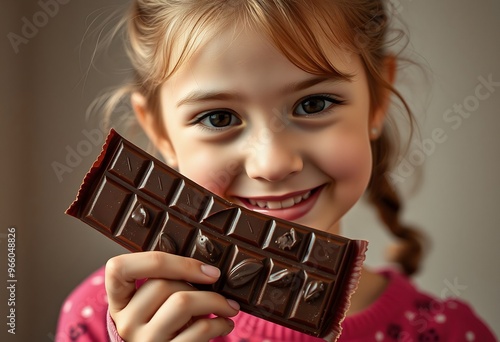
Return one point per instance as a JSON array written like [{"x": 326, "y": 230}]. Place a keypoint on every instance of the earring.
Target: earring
[{"x": 374, "y": 132}]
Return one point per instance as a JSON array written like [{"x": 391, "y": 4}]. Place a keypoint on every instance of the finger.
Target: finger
[
  {"x": 181, "y": 307},
  {"x": 122, "y": 272},
  {"x": 330, "y": 337},
  {"x": 151, "y": 296},
  {"x": 206, "y": 329}
]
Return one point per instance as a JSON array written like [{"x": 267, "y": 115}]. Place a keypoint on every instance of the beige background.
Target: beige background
[{"x": 45, "y": 90}]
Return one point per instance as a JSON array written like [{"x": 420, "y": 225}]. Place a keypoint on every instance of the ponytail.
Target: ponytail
[{"x": 382, "y": 194}]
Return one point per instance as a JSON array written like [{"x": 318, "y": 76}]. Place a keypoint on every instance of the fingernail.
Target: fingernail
[
  {"x": 231, "y": 327},
  {"x": 210, "y": 271},
  {"x": 233, "y": 304}
]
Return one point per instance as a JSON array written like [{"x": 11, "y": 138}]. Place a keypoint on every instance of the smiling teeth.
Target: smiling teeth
[{"x": 289, "y": 202}]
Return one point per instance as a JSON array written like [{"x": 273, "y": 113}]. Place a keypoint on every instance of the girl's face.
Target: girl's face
[{"x": 247, "y": 124}]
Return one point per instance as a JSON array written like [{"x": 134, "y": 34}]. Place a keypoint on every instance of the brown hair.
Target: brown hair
[{"x": 163, "y": 34}]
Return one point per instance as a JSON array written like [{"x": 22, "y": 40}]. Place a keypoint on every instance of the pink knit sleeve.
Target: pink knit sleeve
[
  {"x": 112, "y": 332},
  {"x": 82, "y": 316}
]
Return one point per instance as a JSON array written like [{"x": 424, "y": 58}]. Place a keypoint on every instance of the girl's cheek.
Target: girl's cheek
[
  {"x": 349, "y": 159},
  {"x": 209, "y": 172}
]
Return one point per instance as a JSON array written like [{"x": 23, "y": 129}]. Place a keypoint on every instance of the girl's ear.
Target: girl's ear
[
  {"x": 380, "y": 112},
  {"x": 146, "y": 119}
]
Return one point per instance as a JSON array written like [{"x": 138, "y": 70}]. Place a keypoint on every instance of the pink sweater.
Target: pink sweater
[{"x": 402, "y": 313}]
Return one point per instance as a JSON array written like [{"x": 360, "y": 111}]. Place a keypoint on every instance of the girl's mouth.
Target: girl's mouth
[
  {"x": 289, "y": 207},
  {"x": 287, "y": 203}
]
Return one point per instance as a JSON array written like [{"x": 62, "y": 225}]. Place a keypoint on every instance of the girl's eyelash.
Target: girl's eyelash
[
  {"x": 197, "y": 121},
  {"x": 336, "y": 101},
  {"x": 330, "y": 97},
  {"x": 205, "y": 128}
]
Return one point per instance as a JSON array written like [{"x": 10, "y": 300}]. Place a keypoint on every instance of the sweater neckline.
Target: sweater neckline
[{"x": 391, "y": 303}]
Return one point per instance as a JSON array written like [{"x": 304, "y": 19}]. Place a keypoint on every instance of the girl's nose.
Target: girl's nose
[{"x": 273, "y": 158}]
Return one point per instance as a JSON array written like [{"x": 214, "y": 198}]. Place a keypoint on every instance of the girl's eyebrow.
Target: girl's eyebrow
[{"x": 203, "y": 96}]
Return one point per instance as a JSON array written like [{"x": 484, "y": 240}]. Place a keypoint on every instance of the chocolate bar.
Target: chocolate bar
[{"x": 280, "y": 271}]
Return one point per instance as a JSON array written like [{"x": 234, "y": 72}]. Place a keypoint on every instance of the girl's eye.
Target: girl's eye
[
  {"x": 316, "y": 104},
  {"x": 218, "y": 120}
]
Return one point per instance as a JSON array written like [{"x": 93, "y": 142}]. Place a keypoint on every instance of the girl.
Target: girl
[{"x": 279, "y": 106}]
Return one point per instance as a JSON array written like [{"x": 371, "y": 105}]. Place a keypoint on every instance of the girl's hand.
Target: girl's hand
[
  {"x": 328, "y": 338},
  {"x": 165, "y": 308}
]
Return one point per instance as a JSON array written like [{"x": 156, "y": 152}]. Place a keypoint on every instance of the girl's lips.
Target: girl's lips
[
  {"x": 284, "y": 202},
  {"x": 289, "y": 207}
]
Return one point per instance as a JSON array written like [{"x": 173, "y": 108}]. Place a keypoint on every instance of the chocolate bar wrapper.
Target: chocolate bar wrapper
[{"x": 277, "y": 270}]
